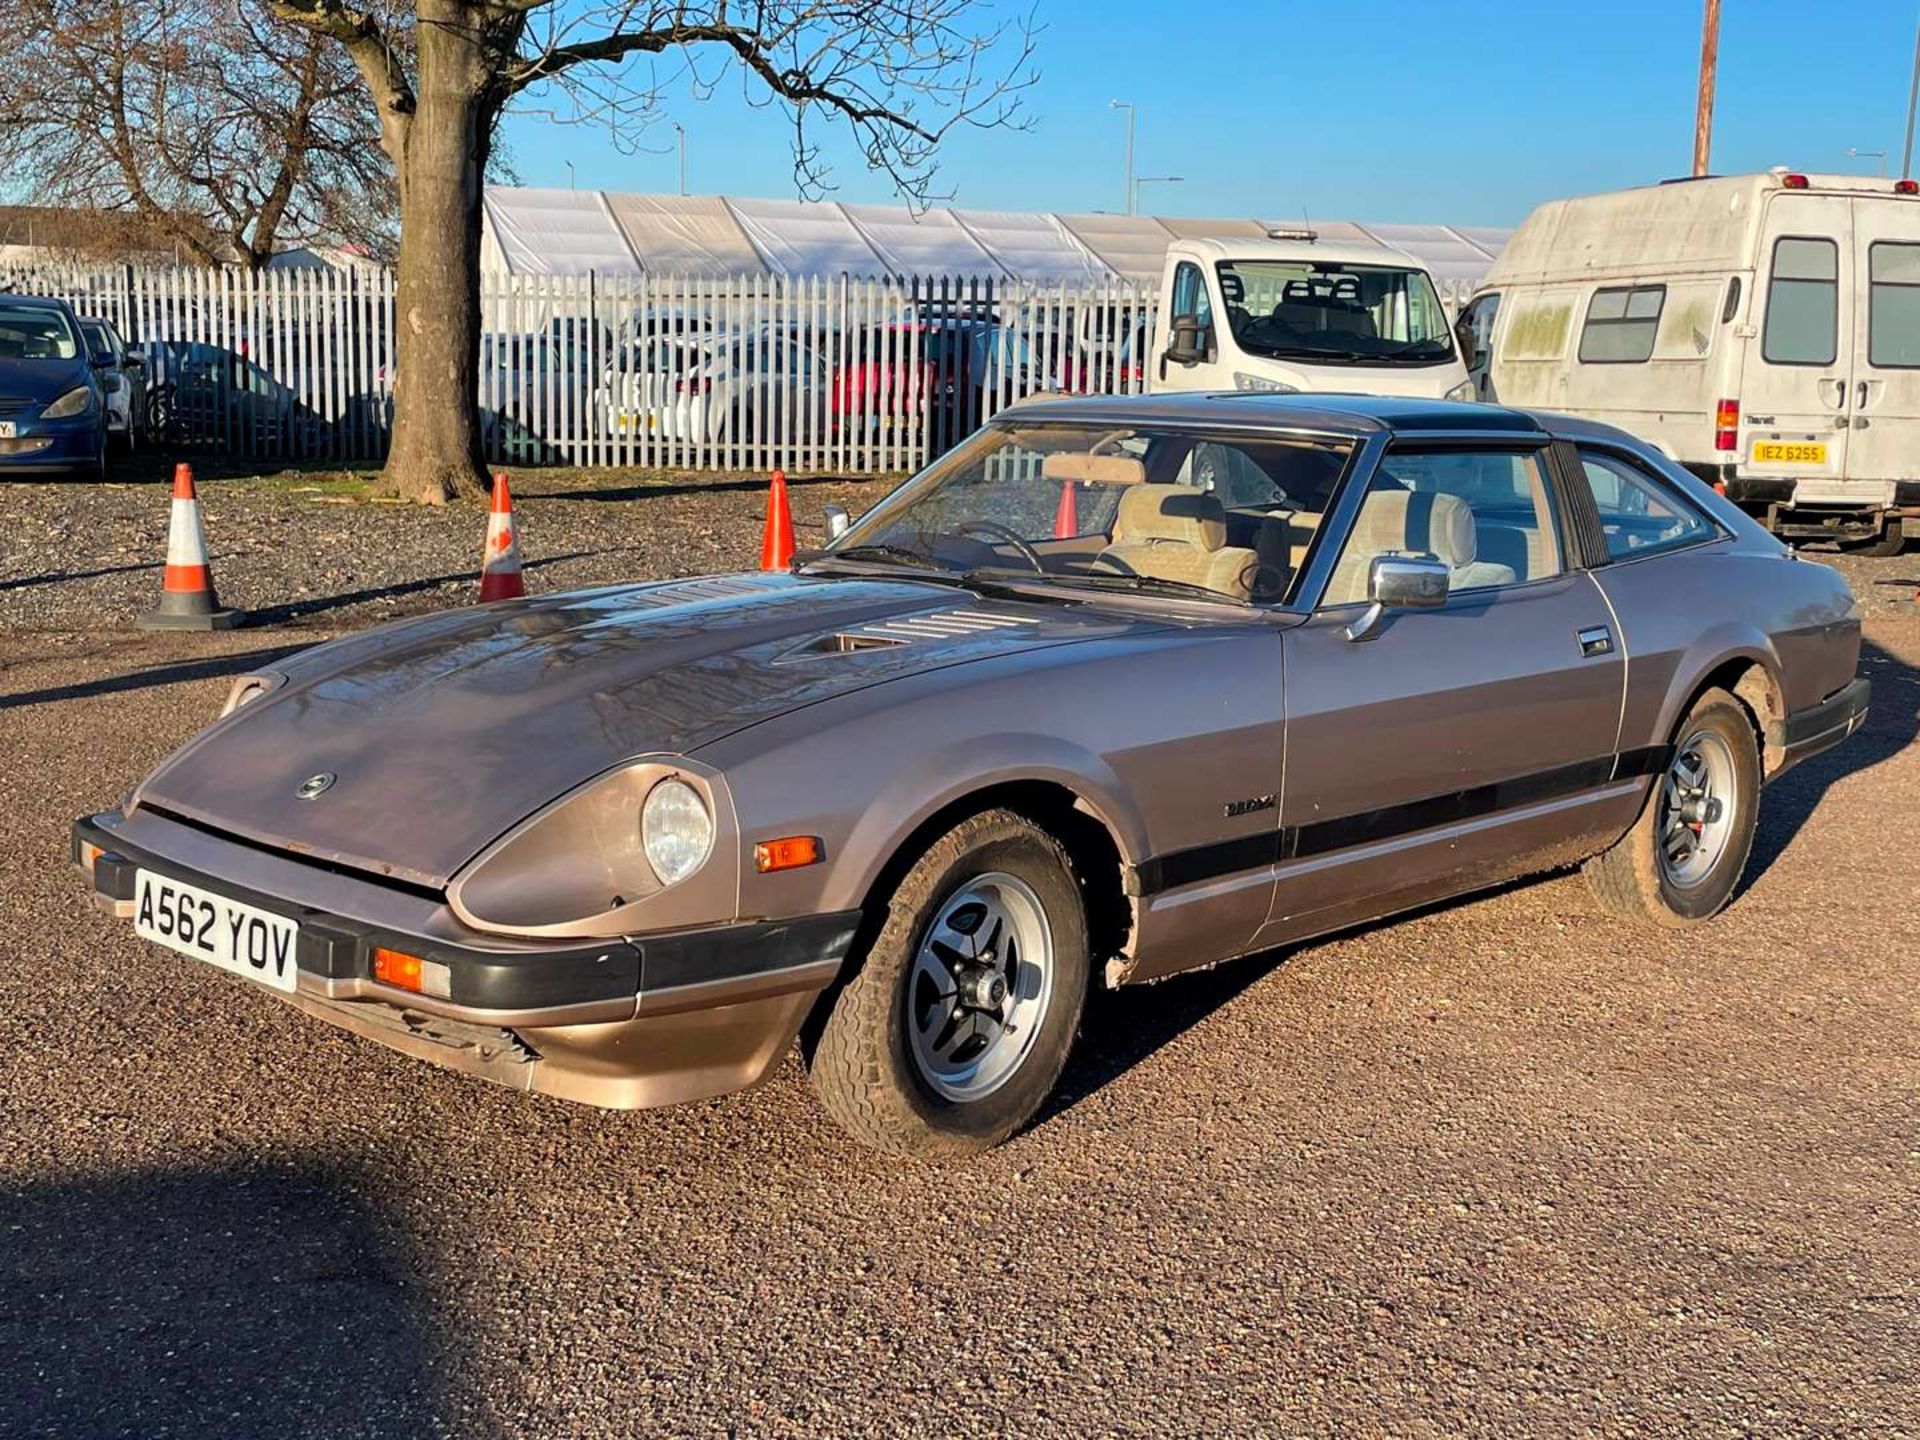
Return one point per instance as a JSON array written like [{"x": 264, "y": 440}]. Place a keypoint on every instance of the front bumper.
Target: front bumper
[
  {"x": 647, "y": 1020},
  {"x": 52, "y": 445}
]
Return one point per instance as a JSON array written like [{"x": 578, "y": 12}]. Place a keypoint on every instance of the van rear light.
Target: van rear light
[
  {"x": 1794, "y": 182},
  {"x": 1906, "y": 187},
  {"x": 1726, "y": 425}
]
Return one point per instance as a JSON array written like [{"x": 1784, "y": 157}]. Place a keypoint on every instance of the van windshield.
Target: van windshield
[{"x": 1335, "y": 314}]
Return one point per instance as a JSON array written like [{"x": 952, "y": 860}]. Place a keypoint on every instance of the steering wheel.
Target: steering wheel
[{"x": 1001, "y": 532}]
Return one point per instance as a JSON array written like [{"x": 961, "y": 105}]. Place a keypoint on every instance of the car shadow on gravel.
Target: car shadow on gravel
[
  {"x": 177, "y": 673},
  {"x": 296, "y": 610},
  {"x": 1891, "y": 725},
  {"x": 225, "y": 1300}
]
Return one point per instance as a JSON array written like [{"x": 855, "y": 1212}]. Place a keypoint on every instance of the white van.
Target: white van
[
  {"x": 1300, "y": 315},
  {"x": 1763, "y": 330}
]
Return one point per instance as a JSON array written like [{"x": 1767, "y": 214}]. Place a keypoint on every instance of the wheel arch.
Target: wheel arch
[{"x": 1752, "y": 678}]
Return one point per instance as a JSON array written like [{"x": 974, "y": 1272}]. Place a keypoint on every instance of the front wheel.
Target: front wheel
[
  {"x": 1683, "y": 857},
  {"x": 955, "y": 1029}
]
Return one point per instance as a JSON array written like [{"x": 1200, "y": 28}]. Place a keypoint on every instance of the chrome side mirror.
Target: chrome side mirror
[
  {"x": 838, "y": 522},
  {"x": 1401, "y": 582}
]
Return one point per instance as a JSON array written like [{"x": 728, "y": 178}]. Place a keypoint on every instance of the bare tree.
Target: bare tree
[
  {"x": 225, "y": 131},
  {"x": 900, "y": 74}
]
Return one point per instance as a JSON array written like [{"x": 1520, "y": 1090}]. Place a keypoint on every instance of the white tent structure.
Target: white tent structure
[{"x": 579, "y": 232}]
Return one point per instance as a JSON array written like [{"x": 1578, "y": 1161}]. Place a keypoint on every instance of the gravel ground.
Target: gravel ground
[
  {"x": 304, "y": 549},
  {"x": 1506, "y": 1167}
]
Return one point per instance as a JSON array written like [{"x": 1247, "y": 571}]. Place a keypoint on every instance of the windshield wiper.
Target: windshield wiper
[
  {"x": 1135, "y": 583},
  {"x": 882, "y": 554}
]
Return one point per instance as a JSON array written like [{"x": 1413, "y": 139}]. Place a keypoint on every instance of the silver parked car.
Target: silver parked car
[{"x": 1116, "y": 689}]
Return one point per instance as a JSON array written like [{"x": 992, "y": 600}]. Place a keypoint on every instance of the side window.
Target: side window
[
  {"x": 1803, "y": 303},
  {"x": 1190, "y": 297},
  {"x": 1893, "y": 305},
  {"x": 1475, "y": 328},
  {"x": 1486, "y": 514},
  {"x": 1638, "y": 515},
  {"x": 1621, "y": 324}
]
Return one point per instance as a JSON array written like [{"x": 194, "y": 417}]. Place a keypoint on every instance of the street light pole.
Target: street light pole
[
  {"x": 1703, "y": 109},
  {"x": 1127, "y": 105},
  {"x": 1153, "y": 180}
]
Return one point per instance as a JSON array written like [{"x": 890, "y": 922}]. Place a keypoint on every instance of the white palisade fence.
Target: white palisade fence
[{"x": 744, "y": 373}]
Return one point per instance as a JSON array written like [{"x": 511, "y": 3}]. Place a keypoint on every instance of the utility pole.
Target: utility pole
[
  {"x": 1913, "y": 95},
  {"x": 1127, "y": 105},
  {"x": 680, "y": 133},
  {"x": 1709, "y": 63}
]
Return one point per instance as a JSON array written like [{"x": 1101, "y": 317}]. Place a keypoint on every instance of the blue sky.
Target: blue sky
[{"x": 1371, "y": 109}]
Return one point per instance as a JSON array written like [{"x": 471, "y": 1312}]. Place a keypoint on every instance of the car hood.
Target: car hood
[
  {"x": 443, "y": 733},
  {"x": 37, "y": 382}
]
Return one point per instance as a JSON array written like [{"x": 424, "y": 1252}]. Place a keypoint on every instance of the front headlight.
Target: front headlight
[
  {"x": 1261, "y": 385},
  {"x": 1463, "y": 391},
  {"x": 76, "y": 401},
  {"x": 675, "y": 830}
]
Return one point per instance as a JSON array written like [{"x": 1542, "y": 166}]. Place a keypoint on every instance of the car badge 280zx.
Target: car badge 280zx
[{"x": 314, "y": 786}]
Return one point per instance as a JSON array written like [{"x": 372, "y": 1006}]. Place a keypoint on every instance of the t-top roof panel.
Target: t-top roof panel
[
  {"x": 694, "y": 236},
  {"x": 556, "y": 232},
  {"x": 1131, "y": 245},
  {"x": 1032, "y": 246},
  {"x": 931, "y": 244},
  {"x": 796, "y": 237}
]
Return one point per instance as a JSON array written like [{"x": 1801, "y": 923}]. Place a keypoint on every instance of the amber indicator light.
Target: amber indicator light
[
  {"x": 788, "y": 854},
  {"x": 393, "y": 967}
]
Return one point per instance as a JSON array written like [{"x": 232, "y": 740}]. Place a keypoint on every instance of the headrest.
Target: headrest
[
  {"x": 1417, "y": 520},
  {"x": 1094, "y": 469},
  {"x": 1177, "y": 514}
]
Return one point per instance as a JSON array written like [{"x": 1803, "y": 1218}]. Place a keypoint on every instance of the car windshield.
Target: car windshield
[
  {"x": 35, "y": 332},
  {"x": 1078, "y": 508},
  {"x": 1335, "y": 314}
]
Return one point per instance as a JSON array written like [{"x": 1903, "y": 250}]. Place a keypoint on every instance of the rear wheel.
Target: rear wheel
[
  {"x": 955, "y": 1029},
  {"x": 1683, "y": 857},
  {"x": 1893, "y": 539}
]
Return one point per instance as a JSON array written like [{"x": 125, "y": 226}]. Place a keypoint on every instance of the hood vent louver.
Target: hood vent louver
[{"x": 912, "y": 629}]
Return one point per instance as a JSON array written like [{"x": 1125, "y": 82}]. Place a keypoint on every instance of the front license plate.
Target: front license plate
[
  {"x": 7, "y": 431},
  {"x": 213, "y": 928},
  {"x": 1789, "y": 452}
]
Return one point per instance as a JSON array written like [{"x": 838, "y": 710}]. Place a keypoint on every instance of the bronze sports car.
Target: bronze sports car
[{"x": 1119, "y": 688}]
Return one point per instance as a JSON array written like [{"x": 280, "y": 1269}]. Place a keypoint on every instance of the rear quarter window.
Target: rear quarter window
[{"x": 1639, "y": 515}]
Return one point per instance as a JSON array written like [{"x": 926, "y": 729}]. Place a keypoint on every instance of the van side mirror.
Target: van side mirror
[
  {"x": 1401, "y": 582},
  {"x": 1186, "y": 345}
]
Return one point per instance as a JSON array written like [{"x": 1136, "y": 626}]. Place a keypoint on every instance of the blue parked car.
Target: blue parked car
[{"x": 53, "y": 413}]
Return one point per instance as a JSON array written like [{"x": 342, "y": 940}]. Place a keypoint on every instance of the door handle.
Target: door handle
[
  {"x": 1595, "y": 640},
  {"x": 1860, "y": 396}
]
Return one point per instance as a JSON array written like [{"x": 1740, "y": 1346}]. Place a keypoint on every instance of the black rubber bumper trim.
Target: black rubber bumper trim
[
  {"x": 337, "y": 948},
  {"x": 1833, "y": 713},
  {"x": 1759, "y": 492}
]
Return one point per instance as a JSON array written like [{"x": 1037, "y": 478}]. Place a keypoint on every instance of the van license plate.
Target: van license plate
[
  {"x": 1784, "y": 452},
  {"x": 223, "y": 932},
  {"x": 7, "y": 430}
]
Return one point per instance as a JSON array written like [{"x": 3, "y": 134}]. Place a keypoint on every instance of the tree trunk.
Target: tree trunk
[{"x": 436, "y": 451}]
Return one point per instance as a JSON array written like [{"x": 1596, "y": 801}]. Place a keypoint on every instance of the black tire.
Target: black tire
[
  {"x": 1635, "y": 879},
  {"x": 1893, "y": 539},
  {"x": 862, "y": 1063}
]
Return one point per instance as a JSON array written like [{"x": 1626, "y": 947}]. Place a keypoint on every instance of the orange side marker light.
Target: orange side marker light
[
  {"x": 410, "y": 972},
  {"x": 789, "y": 853}
]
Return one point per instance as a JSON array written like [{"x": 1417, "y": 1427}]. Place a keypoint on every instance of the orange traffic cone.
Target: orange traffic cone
[
  {"x": 1066, "y": 520},
  {"x": 187, "y": 601},
  {"x": 500, "y": 562},
  {"x": 776, "y": 542}
]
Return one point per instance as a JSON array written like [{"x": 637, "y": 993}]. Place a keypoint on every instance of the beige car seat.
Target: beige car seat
[
  {"x": 1175, "y": 532},
  {"x": 1413, "y": 522}
]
